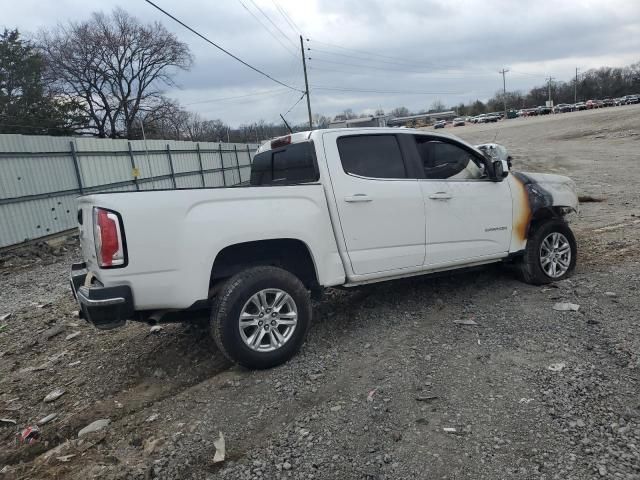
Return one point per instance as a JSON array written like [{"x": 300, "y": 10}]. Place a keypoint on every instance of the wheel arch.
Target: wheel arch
[
  {"x": 543, "y": 214},
  {"x": 290, "y": 254}
]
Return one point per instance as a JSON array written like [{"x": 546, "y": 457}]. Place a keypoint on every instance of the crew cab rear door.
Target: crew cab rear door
[{"x": 380, "y": 207}]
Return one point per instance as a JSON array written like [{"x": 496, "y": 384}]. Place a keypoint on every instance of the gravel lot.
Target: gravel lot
[{"x": 387, "y": 386}]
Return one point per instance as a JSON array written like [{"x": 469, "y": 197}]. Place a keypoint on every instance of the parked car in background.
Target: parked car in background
[
  {"x": 544, "y": 110},
  {"x": 562, "y": 108},
  {"x": 608, "y": 102},
  {"x": 440, "y": 124},
  {"x": 580, "y": 106},
  {"x": 458, "y": 122},
  {"x": 590, "y": 104},
  {"x": 160, "y": 255}
]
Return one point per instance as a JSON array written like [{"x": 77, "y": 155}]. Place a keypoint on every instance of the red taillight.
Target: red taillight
[
  {"x": 108, "y": 238},
  {"x": 281, "y": 141}
]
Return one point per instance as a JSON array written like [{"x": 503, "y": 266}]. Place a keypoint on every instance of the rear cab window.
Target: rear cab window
[{"x": 289, "y": 165}]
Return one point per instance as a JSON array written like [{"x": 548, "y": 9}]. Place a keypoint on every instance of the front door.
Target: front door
[
  {"x": 380, "y": 209},
  {"x": 468, "y": 215}
]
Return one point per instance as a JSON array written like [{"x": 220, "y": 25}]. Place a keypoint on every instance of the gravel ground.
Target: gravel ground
[{"x": 387, "y": 386}]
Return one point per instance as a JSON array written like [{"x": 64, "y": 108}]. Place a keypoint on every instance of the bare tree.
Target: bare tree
[
  {"x": 114, "y": 66},
  {"x": 400, "y": 112}
]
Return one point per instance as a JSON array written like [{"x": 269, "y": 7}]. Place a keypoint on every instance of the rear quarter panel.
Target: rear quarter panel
[{"x": 173, "y": 237}]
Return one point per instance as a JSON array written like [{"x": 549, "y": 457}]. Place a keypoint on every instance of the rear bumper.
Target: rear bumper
[{"x": 104, "y": 307}]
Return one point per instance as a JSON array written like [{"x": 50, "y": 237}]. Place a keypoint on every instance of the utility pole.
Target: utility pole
[
  {"x": 575, "y": 89},
  {"x": 306, "y": 82},
  {"x": 550, "y": 79},
  {"x": 504, "y": 92}
]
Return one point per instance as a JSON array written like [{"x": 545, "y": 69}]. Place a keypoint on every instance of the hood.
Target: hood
[{"x": 556, "y": 190}]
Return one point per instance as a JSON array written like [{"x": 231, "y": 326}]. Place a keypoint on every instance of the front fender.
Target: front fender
[{"x": 534, "y": 193}]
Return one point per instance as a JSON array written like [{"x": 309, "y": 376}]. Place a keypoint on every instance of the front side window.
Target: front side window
[
  {"x": 442, "y": 160},
  {"x": 373, "y": 156}
]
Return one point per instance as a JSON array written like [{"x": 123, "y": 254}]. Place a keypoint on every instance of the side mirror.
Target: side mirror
[{"x": 500, "y": 170}]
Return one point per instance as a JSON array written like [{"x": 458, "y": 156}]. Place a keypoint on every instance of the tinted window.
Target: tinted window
[
  {"x": 292, "y": 164},
  {"x": 440, "y": 159},
  {"x": 375, "y": 156}
]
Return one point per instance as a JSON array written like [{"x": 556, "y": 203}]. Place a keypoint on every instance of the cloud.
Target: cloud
[{"x": 437, "y": 49}]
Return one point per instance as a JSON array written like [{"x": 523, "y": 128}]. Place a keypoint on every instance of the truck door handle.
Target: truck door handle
[
  {"x": 358, "y": 197},
  {"x": 440, "y": 196}
]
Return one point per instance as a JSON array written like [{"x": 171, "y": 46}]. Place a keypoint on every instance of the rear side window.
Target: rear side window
[
  {"x": 374, "y": 156},
  {"x": 441, "y": 160},
  {"x": 284, "y": 166}
]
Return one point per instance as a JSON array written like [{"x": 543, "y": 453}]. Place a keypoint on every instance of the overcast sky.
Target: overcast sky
[{"x": 421, "y": 50}]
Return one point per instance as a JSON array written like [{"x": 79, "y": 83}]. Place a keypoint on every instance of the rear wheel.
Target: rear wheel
[
  {"x": 550, "y": 254},
  {"x": 261, "y": 316}
]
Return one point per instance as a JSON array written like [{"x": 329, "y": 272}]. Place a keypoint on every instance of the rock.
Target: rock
[
  {"x": 159, "y": 373},
  {"x": 152, "y": 417},
  {"x": 155, "y": 328},
  {"x": 151, "y": 444},
  {"x": 566, "y": 307},
  {"x": 602, "y": 470},
  {"x": 73, "y": 364},
  {"x": 557, "y": 367},
  {"x": 52, "y": 332},
  {"x": 303, "y": 432},
  {"x": 465, "y": 322},
  {"x": 335, "y": 408},
  {"x": 286, "y": 466},
  {"x": 608, "y": 294},
  {"x": 396, "y": 436},
  {"x": 220, "y": 449},
  {"x": 53, "y": 396},
  {"x": 449, "y": 430},
  {"x": 426, "y": 398},
  {"x": 47, "y": 419},
  {"x": 8, "y": 420},
  {"x": 4, "y": 317},
  {"x": 371, "y": 394},
  {"x": 367, "y": 345},
  {"x": 65, "y": 458},
  {"x": 76, "y": 314},
  {"x": 95, "y": 426},
  {"x": 71, "y": 336}
]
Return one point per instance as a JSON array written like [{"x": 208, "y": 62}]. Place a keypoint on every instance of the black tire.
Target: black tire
[
  {"x": 232, "y": 298},
  {"x": 530, "y": 267}
]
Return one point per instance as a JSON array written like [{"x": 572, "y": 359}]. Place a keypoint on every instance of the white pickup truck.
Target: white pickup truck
[{"x": 326, "y": 208}]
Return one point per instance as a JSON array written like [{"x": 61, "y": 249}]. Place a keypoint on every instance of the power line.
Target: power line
[
  {"x": 266, "y": 28},
  {"x": 293, "y": 106},
  {"x": 402, "y": 92},
  {"x": 288, "y": 18},
  {"x": 220, "y": 48},
  {"x": 372, "y": 54},
  {"x": 274, "y": 92},
  {"x": 272, "y": 22},
  {"x": 526, "y": 73},
  {"x": 388, "y": 69}
]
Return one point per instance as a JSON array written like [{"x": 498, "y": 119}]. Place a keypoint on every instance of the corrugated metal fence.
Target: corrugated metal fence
[{"x": 41, "y": 176}]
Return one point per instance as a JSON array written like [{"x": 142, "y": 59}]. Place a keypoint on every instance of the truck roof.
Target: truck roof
[{"x": 299, "y": 137}]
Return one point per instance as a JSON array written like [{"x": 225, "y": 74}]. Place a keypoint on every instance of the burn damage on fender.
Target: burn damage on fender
[
  {"x": 537, "y": 196},
  {"x": 535, "y": 193}
]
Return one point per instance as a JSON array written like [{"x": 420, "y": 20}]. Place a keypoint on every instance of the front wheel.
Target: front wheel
[
  {"x": 550, "y": 254},
  {"x": 261, "y": 316}
]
